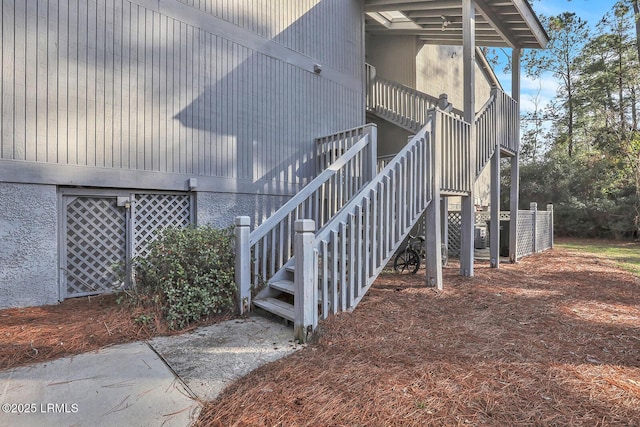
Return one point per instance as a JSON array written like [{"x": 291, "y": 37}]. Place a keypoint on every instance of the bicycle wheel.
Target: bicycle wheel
[{"x": 407, "y": 261}]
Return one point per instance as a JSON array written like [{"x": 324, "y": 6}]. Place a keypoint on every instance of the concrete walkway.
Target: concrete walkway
[{"x": 130, "y": 384}]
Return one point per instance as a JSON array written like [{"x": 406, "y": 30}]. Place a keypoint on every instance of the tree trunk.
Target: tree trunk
[
  {"x": 570, "y": 118},
  {"x": 623, "y": 123},
  {"x": 634, "y": 109},
  {"x": 636, "y": 11}
]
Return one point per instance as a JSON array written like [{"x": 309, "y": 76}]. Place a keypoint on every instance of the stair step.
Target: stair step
[
  {"x": 291, "y": 268},
  {"x": 275, "y": 306},
  {"x": 286, "y": 286}
]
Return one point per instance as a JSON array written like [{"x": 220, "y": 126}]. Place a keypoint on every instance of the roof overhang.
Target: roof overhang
[{"x": 499, "y": 23}]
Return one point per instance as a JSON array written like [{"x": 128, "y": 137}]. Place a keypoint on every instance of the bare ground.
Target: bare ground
[{"x": 552, "y": 340}]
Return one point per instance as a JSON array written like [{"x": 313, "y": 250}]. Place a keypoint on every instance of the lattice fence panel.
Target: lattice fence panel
[
  {"x": 455, "y": 225},
  {"x": 525, "y": 233},
  {"x": 482, "y": 217},
  {"x": 96, "y": 242},
  {"x": 543, "y": 231},
  {"x": 154, "y": 213},
  {"x": 485, "y": 216}
]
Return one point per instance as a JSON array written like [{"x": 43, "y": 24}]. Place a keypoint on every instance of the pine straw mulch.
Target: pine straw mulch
[
  {"x": 38, "y": 334},
  {"x": 553, "y": 340}
]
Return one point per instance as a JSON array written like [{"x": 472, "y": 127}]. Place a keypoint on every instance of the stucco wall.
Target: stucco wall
[
  {"x": 394, "y": 57},
  {"x": 440, "y": 70},
  {"x": 28, "y": 253},
  {"x": 220, "y": 209}
]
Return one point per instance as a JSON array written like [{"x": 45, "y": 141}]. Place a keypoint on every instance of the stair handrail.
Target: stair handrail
[
  {"x": 319, "y": 200},
  {"x": 363, "y": 219},
  {"x": 330, "y": 147}
]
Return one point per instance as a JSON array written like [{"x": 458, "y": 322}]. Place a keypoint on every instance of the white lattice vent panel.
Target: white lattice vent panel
[
  {"x": 455, "y": 225},
  {"x": 154, "y": 213},
  {"x": 96, "y": 242},
  {"x": 101, "y": 234}
]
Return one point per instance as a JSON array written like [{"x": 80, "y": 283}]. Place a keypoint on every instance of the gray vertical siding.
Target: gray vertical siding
[
  {"x": 321, "y": 29},
  {"x": 163, "y": 86}
]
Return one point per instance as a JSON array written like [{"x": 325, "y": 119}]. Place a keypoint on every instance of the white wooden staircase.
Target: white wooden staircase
[{"x": 346, "y": 224}]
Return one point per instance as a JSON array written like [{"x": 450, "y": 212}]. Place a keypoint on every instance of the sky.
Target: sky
[{"x": 545, "y": 87}]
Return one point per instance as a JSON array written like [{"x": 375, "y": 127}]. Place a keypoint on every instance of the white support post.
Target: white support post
[
  {"x": 434, "y": 235},
  {"x": 305, "y": 299},
  {"x": 550, "y": 210},
  {"x": 243, "y": 263},
  {"x": 494, "y": 222},
  {"x": 467, "y": 232},
  {"x": 444, "y": 218},
  {"x": 433, "y": 243},
  {"x": 514, "y": 198},
  {"x": 533, "y": 207}
]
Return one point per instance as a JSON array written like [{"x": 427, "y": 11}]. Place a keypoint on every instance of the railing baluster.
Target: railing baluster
[
  {"x": 335, "y": 279},
  {"x": 353, "y": 262},
  {"x": 367, "y": 238},
  {"x": 325, "y": 279},
  {"x": 343, "y": 265},
  {"x": 360, "y": 260}
]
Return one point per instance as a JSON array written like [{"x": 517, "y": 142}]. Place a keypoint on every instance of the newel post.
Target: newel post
[
  {"x": 243, "y": 263},
  {"x": 305, "y": 299},
  {"x": 533, "y": 207},
  {"x": 373, "y": 151},
  {"x": 443, "y": 103}
]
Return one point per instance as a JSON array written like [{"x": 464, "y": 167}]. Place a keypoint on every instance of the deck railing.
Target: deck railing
[
  {"x": 271, "y": 243},
  {"x": 399, "y": 103},
  {"x": 454, "y": 136},
  {"x": 496, "y": 126}
]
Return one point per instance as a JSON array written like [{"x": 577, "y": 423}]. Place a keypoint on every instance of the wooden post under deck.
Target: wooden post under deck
[
  {"x": 494, "y": 225},
  {"x": 515, "y": 162},
  {"x": 468, "y": 207}
]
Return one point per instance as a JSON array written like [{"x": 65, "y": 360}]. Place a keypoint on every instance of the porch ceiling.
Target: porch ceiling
[{"x": 499, "y": 23}]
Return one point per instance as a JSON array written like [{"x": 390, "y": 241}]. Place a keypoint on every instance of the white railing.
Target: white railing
[
  {"x": 454, "y": 136},
  {"x": 331, "y": 147},
  {"x": 401, "y": 104},
  {"x": 351, "y": 250},
  {"x": 271, "y": 243},
  {"x": 486, "y": 132},
  {"x": 508, "y": 122},
  {"x": 383, "y": 161},
  {"x": 496, "y": 125}
]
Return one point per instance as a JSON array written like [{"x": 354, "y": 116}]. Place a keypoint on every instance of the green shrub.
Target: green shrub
[{"x": 189, "y": 273}]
